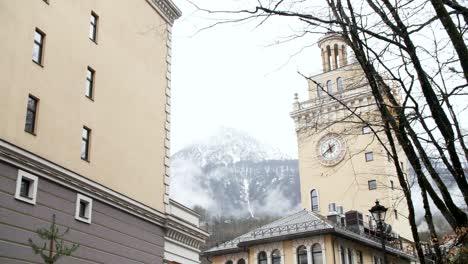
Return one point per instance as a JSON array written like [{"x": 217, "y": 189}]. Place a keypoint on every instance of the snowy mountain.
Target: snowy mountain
[{"x": 232, "y": 173}]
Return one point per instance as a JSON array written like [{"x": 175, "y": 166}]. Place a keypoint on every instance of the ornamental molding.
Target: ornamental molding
[{"x": 167, "y": 9}]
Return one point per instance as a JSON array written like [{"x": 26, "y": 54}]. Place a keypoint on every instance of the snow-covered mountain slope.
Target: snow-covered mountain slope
[
  {"x": 231, "y": 173},
  {"x": 227, "y": 146}
]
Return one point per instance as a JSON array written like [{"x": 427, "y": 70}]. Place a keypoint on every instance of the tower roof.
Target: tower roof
[{"x": 331, "y": 36}]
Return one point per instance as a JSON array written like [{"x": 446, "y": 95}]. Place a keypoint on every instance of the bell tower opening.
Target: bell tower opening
[{"x": 334, "y": 53}]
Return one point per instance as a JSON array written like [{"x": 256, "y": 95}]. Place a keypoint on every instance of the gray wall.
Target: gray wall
[{"x": 114, "y": 236}]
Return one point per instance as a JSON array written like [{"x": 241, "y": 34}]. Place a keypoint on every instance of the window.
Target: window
[
  {"x": 359, "y": 257},
  {"x": 329, "y": 87},
  {"x": 319, "y": 91},
  {"x": 342, "y": 255},
  {"x": 317, "y": 254},
  {"x": 84, "y": 207},
  {"x": 366, "y": 130},
  {"x": 93, "y": 27},
  {"x": 372, "y": 184},
  {"x": 332, "y": 208},
  {"x": 262, "y": 258},
  {"x": 369, "y": 156},
  {"x": 26, "y": 187},
  {"x": 396, "y": 213},
  {"x": 229, "y": 262},
  {"x": 391, "y": 185},
  {"x": 314, "y": 200},
  {"x": 38, "y": 46},
  {"x": 376, "y": 260},
  {"x": 276, "y": 257},
  {"x": 89, "y": 82},
  {"x": 241, "y": 261},
  {"x": 31, "y": 110},
  {"x": 339, "y": 85},
  {"x": 350, "y": 256},
  {"x": 301, "y": 255},
  {"x": 86, "y": 135},
  {"x": 402, "y": 167}
]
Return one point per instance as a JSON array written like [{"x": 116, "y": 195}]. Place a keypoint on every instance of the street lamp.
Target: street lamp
[{"x": 378, "y": 213}]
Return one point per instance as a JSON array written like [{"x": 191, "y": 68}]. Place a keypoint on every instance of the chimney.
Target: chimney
[{"x": 354, "y": 221}]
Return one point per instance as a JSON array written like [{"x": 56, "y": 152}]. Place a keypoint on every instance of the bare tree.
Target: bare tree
[{"x": 419, "y": 46}]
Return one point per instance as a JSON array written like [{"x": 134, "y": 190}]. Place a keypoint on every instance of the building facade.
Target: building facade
[
  {"x": 344, "y": 169},
  {"x": 85, "y": 131},
  {"x": 343, "y": 164},
  {"x": 304, "y": 238}
]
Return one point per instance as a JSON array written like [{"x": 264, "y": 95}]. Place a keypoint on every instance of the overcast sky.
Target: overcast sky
[{"x": 231, "y": 75}]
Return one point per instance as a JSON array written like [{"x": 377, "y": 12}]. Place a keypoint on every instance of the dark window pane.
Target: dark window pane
[
  {"x": 301, "y": 255},
  {"x": 38, "y": 37},
  {"x": 37, "y": 47},
  {"x": 25, "y": 187},
  {"x": 89, "y": 82},
  {"x": 83, "y": 207},
  {"x": 372, "y": 185},
  {"x": 30, "y": 115},
  {"x": 93, "y": 27},
  {"x": 85, "y": 143},
  {"x": 36, "y": 56}
]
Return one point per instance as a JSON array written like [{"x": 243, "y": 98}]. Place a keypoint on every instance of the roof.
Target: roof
[{"x": 303, "y": 223}]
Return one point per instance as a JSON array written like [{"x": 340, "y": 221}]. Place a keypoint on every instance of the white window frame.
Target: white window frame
[
  {"x": 89, "y": 208},
  {"x": 32, "y": 188}
]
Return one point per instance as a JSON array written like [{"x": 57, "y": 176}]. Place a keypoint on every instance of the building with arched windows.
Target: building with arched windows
[{"x": 304, "y": 238}]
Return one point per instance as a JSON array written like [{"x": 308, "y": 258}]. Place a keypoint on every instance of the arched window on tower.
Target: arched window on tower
[
  {"x": 336, "y": 57},
  {"x": 301, "y": 255},
  {"x": 229, "y": 262},
  {"x": 241, "y": 261},
  {"x": 329, "y": 87},
  {"x": 319, "y": 91},
  {"x": 276, "y": 257},
  {"x": 317, "y": 254},
  {"x": 314, "y": 206},
  {"x": 339, "y": 85},
  {"x": 262, "y": 258},
  {"x": 328, "y": 58}
]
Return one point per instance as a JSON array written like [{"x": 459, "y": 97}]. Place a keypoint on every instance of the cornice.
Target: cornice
[
  {"x": 167, "y": 9},
  {"x": 177, "y": 230},
  {"x": 53, "y": 172}
]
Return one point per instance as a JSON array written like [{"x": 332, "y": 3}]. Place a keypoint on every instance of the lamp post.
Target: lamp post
[{"x": 378, "y": 213}]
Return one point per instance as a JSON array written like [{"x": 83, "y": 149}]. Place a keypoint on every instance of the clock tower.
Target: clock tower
[{"x": 342, "y": 164}]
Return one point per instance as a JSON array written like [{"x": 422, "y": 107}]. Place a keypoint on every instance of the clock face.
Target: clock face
[{"x": 331, "y": 149}]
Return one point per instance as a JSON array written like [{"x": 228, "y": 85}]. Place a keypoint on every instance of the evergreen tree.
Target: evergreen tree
[{"x": 56, "y": 247}]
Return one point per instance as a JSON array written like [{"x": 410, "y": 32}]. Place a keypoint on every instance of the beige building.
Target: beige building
[
  {"x": 343, "y": 169},
  {"x": 303, "y": 238},
  {"x": 343, "y": 165},
  {"x": 85, "y": 130}
]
